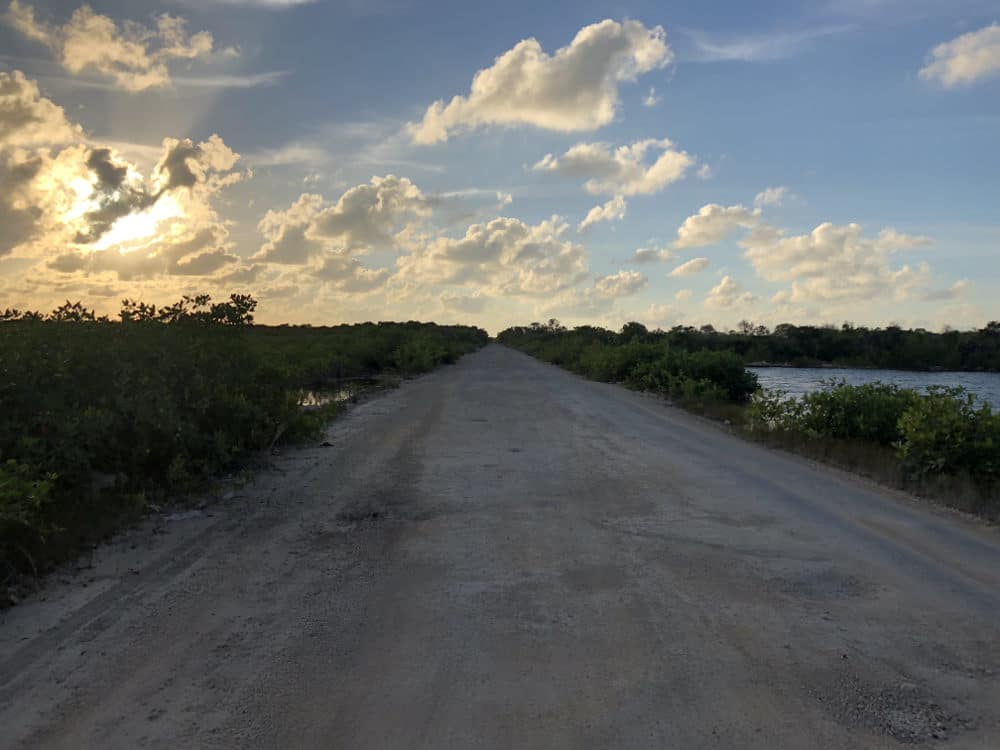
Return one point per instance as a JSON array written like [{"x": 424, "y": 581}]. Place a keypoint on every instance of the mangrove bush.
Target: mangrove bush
[{"x": 97, "y": 417}]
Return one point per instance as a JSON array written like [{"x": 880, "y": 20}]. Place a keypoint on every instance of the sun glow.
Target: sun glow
[
  {"x": 81, "y": 202},
  {"x": 139, "y": 229}
]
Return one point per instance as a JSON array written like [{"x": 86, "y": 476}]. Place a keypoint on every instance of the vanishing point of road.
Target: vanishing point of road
[{"x": 503, "y": 555}]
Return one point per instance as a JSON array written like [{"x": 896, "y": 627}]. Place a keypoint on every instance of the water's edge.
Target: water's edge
[{"x": 797, "y": 381}]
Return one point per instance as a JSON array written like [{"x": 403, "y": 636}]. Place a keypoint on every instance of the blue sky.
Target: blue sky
[{"x": 822, "y": 162}]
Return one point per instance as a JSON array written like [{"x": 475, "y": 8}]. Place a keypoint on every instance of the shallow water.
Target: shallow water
[
  {"x": 799, "y": 380},
  {"x": 316, "y": 399}
]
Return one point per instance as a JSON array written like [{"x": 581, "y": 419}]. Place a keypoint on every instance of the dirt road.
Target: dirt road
[{"x": 503, "y": 555}]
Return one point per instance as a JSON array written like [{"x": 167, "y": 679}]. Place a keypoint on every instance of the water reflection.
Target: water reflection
[
  {"x": 800, "y": 380},
  {"x": 315, "y": 399}
]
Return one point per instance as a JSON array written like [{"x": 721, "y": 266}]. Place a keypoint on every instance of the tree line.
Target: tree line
[{"x": 891, "y": 347}]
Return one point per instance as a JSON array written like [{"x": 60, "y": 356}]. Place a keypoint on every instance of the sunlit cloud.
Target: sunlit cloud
[
  {"x": 659, "y": 313},
  {"x": 28, "y": 119},
  {"x": 621, "y": 284},
  {"x": 324, "y": 240},
  {"x": 712, "y": 224},
  {"x": 966, "y": 59},
  {"x": 364, "y": 218},
  {"x": 691, "y": 267},
  {"x": 83, "y": 208},
  {"x": 136, "y": 199},
  {"x": 133, "y": 56},
  {"x": 728, "y": 295},
  {"x": 622, "y": 170},
  {"x": 832, "y": 264},
  {"x": 504, "y": 256},
  {"x": 835, "y": 263},
  {"x": 772, "y": 196},
  {"x": 573, "y": 89},
  {"x": 288, "y": 232},
  {"x": 651, "y": 255},
  {"x": 613, "y": 210}
]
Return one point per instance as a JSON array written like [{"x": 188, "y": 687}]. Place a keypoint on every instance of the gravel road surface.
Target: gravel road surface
[{"x": 503, "y": 555}]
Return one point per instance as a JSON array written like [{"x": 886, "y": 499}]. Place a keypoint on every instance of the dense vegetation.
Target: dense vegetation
[
  {"x": 942, "y": 441},
  {"x": 943, "y": 431},
  {"x": 638, "y": 359},
  {"x": 847, "y": 346},
  {"x": 99, "y": 417}
]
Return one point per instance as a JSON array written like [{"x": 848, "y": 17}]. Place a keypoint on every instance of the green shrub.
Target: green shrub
[
  {"x": 869, "y": 412},
  {"x": 25, "y": 500},
  {"x": 420, "y": 355},
  {"x": 946, "y": 432},
  {"x": 723, "y": 369},
  {"x": 864, "y": 412},
  {"x": 773, "y": 410},
  {"x": 94, "y": 414},
  {"x": 638, "y": 360}
]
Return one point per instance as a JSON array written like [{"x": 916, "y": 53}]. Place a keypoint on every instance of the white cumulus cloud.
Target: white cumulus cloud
[
  {"x": 621, "y": 284},
  {"x": 835, "y": 263},
  {"x": 713, "y": 223},
  {"x": 772, "y": 196},
  {"x": 82, "y": 208},
  {"x": 624, "y": 170},
  {"x": 727, "y": 295},
  {"x": 288, "y": 233},
  {"x": 657, "y": 314},
  {"x": 613, "y": 210},
  {"x": 504, "y": 256},
  {"x": 651, "y": 255},
  {"x": 292, "y": 243},
  {"x": 965, "y": 59},
  {"x": 366, "y": 216},
  {"x": 133, "y": 56},
  {"x": 325, "y": 240},
  {"x": 28, "y": 119},
  {"x": 693, "y": 266},
  {"x": 573, "y": 89}
]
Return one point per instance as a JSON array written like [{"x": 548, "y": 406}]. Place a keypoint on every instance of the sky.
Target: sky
[{"x": 685, "y": 163}]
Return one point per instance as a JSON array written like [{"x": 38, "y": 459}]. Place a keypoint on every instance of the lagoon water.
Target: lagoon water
[{"x": 799, "y": 380}]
